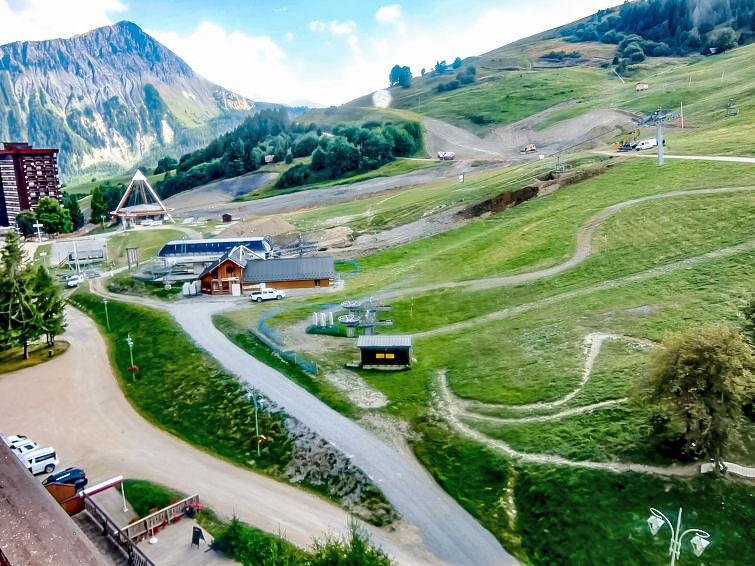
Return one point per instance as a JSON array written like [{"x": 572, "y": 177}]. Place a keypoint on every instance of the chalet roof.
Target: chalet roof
[
  {"x": 239, "y": 255},
  {"x": 293, "y": 269},
  {"x": 385, "y": 341}
]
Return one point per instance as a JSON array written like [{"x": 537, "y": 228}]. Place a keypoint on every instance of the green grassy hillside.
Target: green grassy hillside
[
  {"x": 666, "y": 264},
  {"x": 511, "y": 86}
]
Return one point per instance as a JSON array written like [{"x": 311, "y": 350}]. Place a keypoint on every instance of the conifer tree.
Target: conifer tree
[
  {"x": 20, "y": 321},
  {"x": 49, "y": 305},
  {"x": 99, "y": 207}
]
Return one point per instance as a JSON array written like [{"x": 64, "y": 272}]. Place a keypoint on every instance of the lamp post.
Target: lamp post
[
  {"x": 256, "y": 423},
  {"x": 107, "y": 318},
  {"x": 699, "y": 542},
  {"x": 130, "y": 343}
]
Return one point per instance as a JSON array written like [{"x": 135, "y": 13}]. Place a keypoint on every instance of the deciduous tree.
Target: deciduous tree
[
  {"x": 696, "y": 389},
  {"x": 53, "y": 217}
]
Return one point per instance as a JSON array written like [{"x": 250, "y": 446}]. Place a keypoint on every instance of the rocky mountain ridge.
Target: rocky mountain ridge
[{"x": 110, "y": 98}]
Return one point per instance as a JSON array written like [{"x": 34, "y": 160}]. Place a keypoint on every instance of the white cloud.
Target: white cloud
[
  {"x": 49, "y": 19},
  {"x": 289, "y": 36},
  {"x": 254, "y": 66},
  {"x": 335, "y": 27},
  {"x": 388, "y": 13}
]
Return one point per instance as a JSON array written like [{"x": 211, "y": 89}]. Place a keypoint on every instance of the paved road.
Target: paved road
[
  {"x": 318, "y": 197},
  {"x": 77, "y": 407},
  {"x": 446, "y": 529},
  {"x": 728, "y": 158}
]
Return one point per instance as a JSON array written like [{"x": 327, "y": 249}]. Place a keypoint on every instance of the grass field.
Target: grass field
[
  {"x": 13, "y": 359},
  {"x": 148, "y": 242},
  {"x": 633, "y": 284},
  {"x": 86, "y": 188}
]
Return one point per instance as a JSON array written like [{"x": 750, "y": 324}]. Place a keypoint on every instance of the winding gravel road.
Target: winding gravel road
[
  {"x": 78, "y": 407},
  {"x": 446, "y": 529}
]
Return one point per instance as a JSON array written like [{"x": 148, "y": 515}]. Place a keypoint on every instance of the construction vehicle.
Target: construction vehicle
[
  {"x": 528, "y": 149},
  {"x": 446, "y": 155},
  {"x": 628, "y": 142}
]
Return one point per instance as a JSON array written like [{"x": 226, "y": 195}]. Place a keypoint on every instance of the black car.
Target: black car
[{"x": 73, "y": 476}]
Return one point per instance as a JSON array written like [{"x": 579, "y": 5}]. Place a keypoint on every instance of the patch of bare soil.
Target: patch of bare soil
[
  {"x": 356, "y": 389},
  {"x": 586, "y": 131},
  {"x": 264, "y": 226}
]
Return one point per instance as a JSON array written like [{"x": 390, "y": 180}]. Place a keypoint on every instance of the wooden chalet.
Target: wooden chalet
[
  {"x": 220, "y": 277},
  {"x": 242, "y": 269},
  {"x": 385, "y": 351}
]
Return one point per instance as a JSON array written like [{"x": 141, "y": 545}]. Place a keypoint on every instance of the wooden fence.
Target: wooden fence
[{"x": 151, "y": 524}]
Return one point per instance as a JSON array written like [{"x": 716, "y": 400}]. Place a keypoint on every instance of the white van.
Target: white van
[
  {"x": 647, "y": 144},
  {"x": 41, "y": 460}
]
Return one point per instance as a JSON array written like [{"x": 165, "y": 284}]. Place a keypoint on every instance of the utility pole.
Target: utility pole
[
  {"x": 659, "y": 141},
  {"x": 37, "y": 225}
]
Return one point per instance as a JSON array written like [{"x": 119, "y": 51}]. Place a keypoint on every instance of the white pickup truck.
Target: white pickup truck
[{"x": 267, "y": 294}]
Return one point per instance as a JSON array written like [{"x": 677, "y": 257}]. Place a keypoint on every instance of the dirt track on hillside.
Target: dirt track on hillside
[
  {"x": 77, "y": 407},
  {"x": 214, "y": 197},
  {"x": 587, "y": 131}
]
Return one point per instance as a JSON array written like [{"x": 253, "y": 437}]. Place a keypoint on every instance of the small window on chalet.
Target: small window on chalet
[
  {"x": 229, "y": 269},
  {"x": 389, "y": 356},
  {"x": 380, "y": 356}
]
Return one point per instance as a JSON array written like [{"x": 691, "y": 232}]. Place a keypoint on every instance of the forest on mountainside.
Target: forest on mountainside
[
  {"x": 270, "y": 137},
  {"x": 656, "y": 28}
]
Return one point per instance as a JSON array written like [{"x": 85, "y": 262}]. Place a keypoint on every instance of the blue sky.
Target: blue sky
[{"x": 326, "y": 52}]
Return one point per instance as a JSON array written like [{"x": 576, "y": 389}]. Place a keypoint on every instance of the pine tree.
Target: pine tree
[
  {"x": 99, "y": 207},
  {"x": 49, "y": 305},
  {"x": 72, "y": 205},
  {"x": 20, "y": 322}
]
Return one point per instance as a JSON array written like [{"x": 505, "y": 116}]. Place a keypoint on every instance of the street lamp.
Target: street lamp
[
  {"x": 107, "y": 318},
  {"x": 699, "y": 542},
  {"x": 130, "y": 343}
]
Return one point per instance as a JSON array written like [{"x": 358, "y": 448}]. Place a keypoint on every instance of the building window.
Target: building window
[
  {"x": 229, "y": 269},
  {"x": 379, "y": 356},
  {"x": 389, "y": 356}
]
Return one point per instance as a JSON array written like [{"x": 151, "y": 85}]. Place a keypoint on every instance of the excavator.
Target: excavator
[
  {"x": 528, "y": 149},
  {"x": 628, "y": 142}
]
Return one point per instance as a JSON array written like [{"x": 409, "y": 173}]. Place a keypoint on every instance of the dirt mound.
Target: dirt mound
[
  {"x": 501, "y": 202},
  {"x": 265, "y": 226},
  {"x": 585, "y": 131},
  {"x": 541, "y": 185}
]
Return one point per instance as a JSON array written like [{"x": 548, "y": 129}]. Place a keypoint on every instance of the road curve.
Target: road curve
[
  {"x": 78, "y": 408},
  {"x": 447, "y": 530}
]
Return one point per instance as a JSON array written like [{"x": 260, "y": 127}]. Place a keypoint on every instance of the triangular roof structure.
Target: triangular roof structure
[{"x": 140, "y": 201}]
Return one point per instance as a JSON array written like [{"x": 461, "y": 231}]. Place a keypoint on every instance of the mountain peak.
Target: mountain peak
[{"x": 112, "y": 94}]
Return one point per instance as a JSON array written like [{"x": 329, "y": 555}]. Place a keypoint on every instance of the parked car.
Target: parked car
[
  {"x": 266, "y": 294},
  {"x": 40, "y": 460},
  {"x": 21, "y": 448},
  {"x": 74, "y": 280},
  {"x": 15, "y": 440},
  {"x": 73, "y": 476}
]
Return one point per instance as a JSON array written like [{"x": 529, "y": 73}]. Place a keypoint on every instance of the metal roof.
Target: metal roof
[
  {"x": 295, "y": 269},
  {"x": 385, "y": 341}
]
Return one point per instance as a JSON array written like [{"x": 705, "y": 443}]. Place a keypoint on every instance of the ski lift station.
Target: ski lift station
[{"x": 140, "y": 203}]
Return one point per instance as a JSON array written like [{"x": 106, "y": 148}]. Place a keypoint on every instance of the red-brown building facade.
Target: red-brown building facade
[{"x": 26, "y": 176}]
